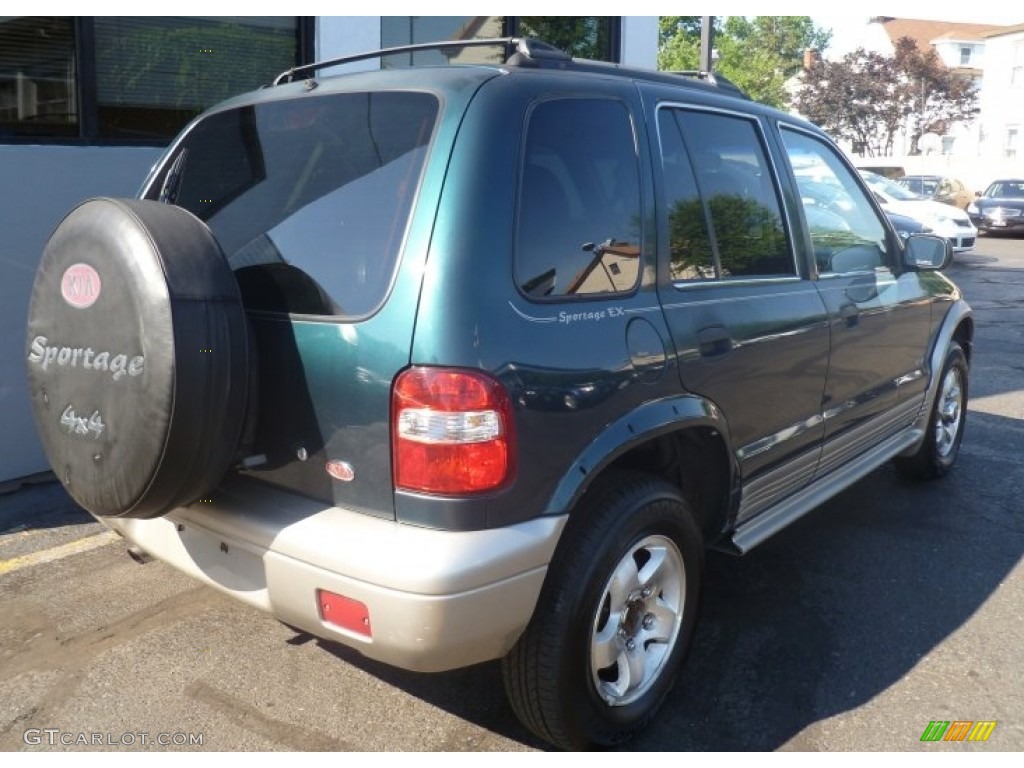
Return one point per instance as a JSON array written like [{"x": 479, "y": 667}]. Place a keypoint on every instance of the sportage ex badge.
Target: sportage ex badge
[{"x": 80, "y": 285}]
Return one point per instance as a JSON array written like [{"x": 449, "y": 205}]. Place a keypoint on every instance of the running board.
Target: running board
[{"x": 751, "y": 533}]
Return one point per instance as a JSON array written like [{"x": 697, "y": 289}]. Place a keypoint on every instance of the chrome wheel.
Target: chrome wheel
[
  {"x": 949, "y": 413},
  {"x": 637, "y": 622}
]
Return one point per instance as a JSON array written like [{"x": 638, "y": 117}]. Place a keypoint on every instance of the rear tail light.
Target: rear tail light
[{"x": 451, "y": 431}]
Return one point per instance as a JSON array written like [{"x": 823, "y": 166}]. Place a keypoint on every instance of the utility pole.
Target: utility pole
[{"x": 707, "y": 42}]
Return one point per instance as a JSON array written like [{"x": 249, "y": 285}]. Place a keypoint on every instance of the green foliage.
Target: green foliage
[
  {"x": 757, "y": 53},
  {"x": 583, "y": 36},
  {"x": 787, "y": 37},
  {"x": 671, "y": 27},
  {"x": 679, "y": 42}
]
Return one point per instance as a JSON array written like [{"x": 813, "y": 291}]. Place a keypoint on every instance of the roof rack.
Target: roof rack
[
  {"x": 710, "y": 77},
  {"x": 518, "y": 50}
]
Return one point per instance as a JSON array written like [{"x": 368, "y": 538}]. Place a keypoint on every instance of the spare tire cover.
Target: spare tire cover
[{"x": 137, "y": 357}]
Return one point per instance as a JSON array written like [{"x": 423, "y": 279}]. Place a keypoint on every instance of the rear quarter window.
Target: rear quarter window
[
  {"x": 308, "y": 198},
  {"x": 578, "y": 228}
]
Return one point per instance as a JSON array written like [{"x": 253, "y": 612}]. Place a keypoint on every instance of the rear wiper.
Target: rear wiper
[{"x": 169, "y": 189}]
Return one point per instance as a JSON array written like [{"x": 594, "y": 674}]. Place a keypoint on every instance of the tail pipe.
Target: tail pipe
[{"x": 139, "y": 555}]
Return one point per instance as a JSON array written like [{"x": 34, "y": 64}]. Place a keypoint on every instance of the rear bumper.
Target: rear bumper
[
  {"x": 989, "y": 224},
  {"x": 436, "y": 599}
]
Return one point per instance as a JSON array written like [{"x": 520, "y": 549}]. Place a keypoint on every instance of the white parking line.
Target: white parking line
[{"x": 59, "y": 552}]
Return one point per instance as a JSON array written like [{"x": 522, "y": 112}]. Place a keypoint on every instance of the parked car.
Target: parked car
[
  {"x": 1000, "y": 208},
  {"x": 940, "y": 188},
  {"x": 906, "y": 226},
  {"x": 946, "y": 221},
  {"x": 460, "y": 363},
  {"x": 889, "y": 171},
  {"x": 826, "y": 204}
]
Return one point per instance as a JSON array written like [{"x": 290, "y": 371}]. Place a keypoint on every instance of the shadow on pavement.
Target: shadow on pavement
[
  {"x": 38, "y": 503},
  {"x": 838, "y": 608},
  {"x": 475, "y": 693}
]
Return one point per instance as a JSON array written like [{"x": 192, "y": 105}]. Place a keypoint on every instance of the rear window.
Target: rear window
[{"x": 310, "y": 198}]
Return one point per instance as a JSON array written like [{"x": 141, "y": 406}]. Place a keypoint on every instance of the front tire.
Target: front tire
[
  {"x": 615, "y": 618},
  {"x": 941, "y": 446}
]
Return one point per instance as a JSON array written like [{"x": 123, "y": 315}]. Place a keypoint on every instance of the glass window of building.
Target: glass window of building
[
  {"x": 155, "y": 74},
  {"x": 38, "y": 93},
  {"x": 591, "y": 37},
  {"x": 133, "y": 78}
]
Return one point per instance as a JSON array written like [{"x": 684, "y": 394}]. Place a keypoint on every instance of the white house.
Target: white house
[{"x": 1001, "y": 119}]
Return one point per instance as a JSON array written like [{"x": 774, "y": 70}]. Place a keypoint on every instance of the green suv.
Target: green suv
[{"x": 462, "y": 363}]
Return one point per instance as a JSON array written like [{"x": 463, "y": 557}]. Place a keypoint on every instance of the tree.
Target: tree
[
  {"x": 855, "y": 98},
  {"x": 938, "y": 95},
  {"x": 679, "y": 41},
  {"x": 867, "y": 98},
  {"x": 758, "y": 53}
]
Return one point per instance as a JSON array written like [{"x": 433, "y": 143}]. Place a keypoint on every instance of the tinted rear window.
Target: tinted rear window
[{"x": 308, "y": 198}]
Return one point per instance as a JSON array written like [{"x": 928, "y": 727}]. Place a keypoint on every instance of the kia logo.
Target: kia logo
[{"x": 80, "y": 285}]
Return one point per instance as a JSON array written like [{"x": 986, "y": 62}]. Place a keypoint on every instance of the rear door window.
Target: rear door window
[
  {"x": 725, "y": 219},
  {"x": 309, "y": 198}
]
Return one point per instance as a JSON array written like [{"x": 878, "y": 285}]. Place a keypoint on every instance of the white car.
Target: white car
[{"x": 945, "y": 220}]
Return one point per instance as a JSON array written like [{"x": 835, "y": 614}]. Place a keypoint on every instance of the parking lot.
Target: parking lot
[{"x": 892, "y": 606}]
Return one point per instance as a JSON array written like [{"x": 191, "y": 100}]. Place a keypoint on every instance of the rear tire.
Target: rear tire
[
  {"x": 938, "y": 452},
  {"x": 615, "y": 617}
]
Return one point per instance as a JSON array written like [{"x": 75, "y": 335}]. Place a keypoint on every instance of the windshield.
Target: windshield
[
  {"x": 888, "y": 189},
  {"x": 919, "y": 185},
  {"x": 1006, "y": 189}
]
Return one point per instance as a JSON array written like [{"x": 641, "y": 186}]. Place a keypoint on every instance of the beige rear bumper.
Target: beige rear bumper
[{"x": 437, "y": 599}]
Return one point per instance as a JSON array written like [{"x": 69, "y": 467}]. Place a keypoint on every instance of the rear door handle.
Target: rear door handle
[
  {"x": 714, "y": 340},
  {"x": 850, "y": 314}
]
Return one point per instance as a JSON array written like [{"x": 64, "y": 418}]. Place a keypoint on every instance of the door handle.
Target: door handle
[
  {"x": 714, "y": 340},
  {"x": 850, "y": 313}
]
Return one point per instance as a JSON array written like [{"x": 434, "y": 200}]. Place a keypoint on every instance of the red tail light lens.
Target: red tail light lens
[{"x": 451, "y": 431}]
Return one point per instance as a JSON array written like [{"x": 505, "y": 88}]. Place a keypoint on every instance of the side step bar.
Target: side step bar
[{"x": 751, "y": 533}]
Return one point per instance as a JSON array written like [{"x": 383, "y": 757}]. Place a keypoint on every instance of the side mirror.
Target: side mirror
[{"x": 927, "y": 253}]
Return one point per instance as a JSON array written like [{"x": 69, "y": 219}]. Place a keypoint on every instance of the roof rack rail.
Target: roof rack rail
[
  {"x": 524, "y": 52},
  {"x": 710, "y": 77},
  {"x": 517, "y": 50}
]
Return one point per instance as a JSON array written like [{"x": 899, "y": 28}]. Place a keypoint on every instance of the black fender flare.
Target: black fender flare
[{"x": 650, "y": 420}]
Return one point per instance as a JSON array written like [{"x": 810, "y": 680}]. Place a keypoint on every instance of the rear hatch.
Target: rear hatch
[{"x": 312, "y": 199}]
